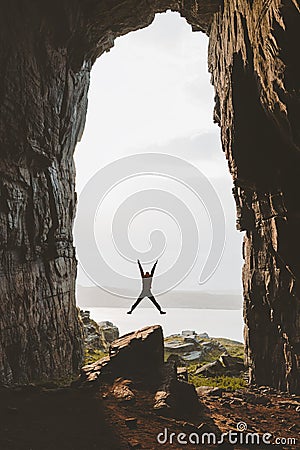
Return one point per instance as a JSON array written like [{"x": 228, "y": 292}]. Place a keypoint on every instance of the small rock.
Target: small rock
[
  {"x": 122, "y": 392},
  {"x": 131, "y": 422},
  {"x": 161, "y": 403},
  {"x": 182, "y": 373},
  {"x": 134, "y": 444},
  {"x": 208, "y": 390},
  {"x": 211, "y": 369}
]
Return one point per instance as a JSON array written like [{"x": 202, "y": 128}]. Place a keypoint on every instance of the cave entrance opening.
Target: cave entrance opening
[
  {"x": 46, "y": 72},
  {"x": 152, "y": 94}
]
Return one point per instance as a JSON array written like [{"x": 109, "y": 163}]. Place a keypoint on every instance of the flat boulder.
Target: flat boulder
[
  {"x": 211, "y": 369},
  {"x": 224, "y": 365},
  {"x": 203, "y": 391},
  {"x": 232, "y": 363},
  {"x": 136, "y": 355}
]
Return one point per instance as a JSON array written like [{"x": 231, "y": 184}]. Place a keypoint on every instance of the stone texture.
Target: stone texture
[
  {"x": 42, "y": 110},
  {"x": 255, "y": 71},
  {"x": 209, "y": 391},
  {"x": 224, "y": 365},
  {"x": 91, "y": 333},
  {"x": 122, "y": 391},
  {"x": 109, "y": 333},
  {"x": 97, "y": 336},
  {"x": 138, "y": 356},
  {"x": 175, "y": 397},
  {"x": 47, "y": 51}
]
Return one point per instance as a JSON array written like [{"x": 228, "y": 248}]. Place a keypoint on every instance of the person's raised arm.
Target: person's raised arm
[
  {"x": 140, "y": 267},
  {"x": 153, "y": 268}
]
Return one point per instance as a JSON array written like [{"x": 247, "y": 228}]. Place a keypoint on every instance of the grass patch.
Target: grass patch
[
  {"x": 91, "y": 356},
  {"x": 224, "y": 382},
  {"x": 227, "y": 381}
]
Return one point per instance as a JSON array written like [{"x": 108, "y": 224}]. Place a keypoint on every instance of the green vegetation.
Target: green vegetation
[
  {"x": 223, "y": 381},
  {"x": 91, "y": 356}
]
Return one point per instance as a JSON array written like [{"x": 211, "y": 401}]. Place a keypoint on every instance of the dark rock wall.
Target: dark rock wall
[
  {"x": 47, "y": 50},
  {"x": 255, "y": 70},
  {"x": 42, "y": 111}
]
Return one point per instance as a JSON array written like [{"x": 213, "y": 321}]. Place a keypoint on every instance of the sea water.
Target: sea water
[{"x": 217, "y": 323}]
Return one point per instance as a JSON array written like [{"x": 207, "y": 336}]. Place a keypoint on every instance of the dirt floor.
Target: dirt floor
[{"x": 76, "y": 419}]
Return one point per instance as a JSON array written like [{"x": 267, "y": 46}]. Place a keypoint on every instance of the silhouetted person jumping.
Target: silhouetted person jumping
[{"x": 146, "y": 291}]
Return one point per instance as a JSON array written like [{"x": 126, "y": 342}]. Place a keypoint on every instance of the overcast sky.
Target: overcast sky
[{"x": 152, "y": 93}]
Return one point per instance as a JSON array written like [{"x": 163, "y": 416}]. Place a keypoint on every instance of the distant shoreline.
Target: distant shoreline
[
  {"x": 150, "y": 306},
  {"x": 94, "y": 297},
  {"x": 223, "y": 323}
]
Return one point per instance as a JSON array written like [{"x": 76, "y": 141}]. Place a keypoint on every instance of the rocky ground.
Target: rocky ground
[
  {"x": 133, "y": 398},
  {"x": 138, "y": 425},
  {"x": 72, "y": 419}
]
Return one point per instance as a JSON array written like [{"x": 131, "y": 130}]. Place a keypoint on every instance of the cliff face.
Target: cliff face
[
  {"x": 42, "y": 111},
  {"x": 47, "y": 51},
  {"x": 256, "y": 74}
]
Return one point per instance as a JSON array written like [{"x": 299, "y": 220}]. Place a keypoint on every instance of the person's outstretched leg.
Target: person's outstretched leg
[
  {"x": 156, "y": 304},
  {"x": 135, "y": 305}
]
